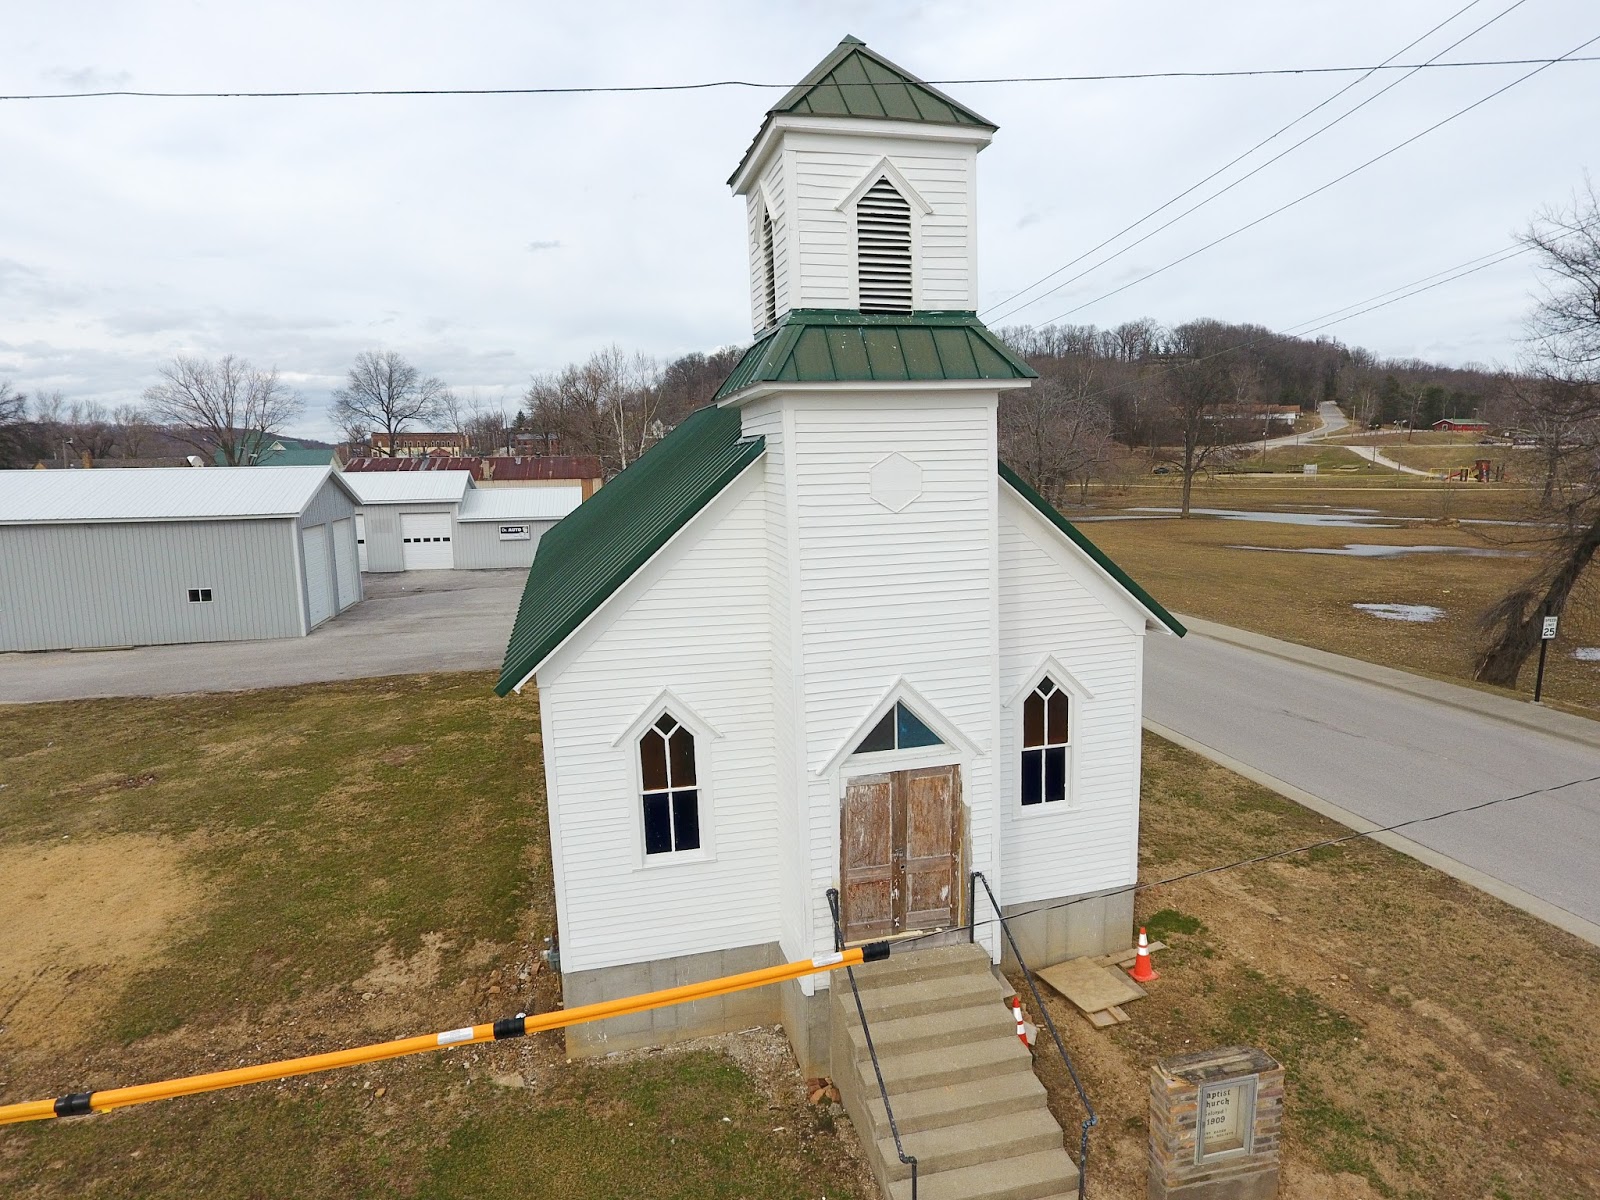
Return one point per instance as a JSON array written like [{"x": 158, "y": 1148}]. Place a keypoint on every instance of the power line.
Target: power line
[
  {"x": 1256, "y": 170},
  {"x": 627, "y": 89},
  {"x": 1460, "y": 112},
  {"x": 1257, "y": 859}
]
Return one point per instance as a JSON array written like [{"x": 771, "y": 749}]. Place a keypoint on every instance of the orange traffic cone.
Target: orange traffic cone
[
  {"x": 1022, "y": 1026},
  {"x": 1143, "y": 972}
]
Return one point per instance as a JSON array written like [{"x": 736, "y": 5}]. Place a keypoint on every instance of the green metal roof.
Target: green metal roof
[
  {"x": 854, "y": 81},
  {"x": 1076, "y": 537},
  {"x": 817, "y": 345},
  {"x": 593, "y": 551}
]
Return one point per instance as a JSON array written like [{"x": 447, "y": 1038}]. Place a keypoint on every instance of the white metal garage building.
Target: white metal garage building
[
  {"x": 438, "y": 520},
  {"x": 161, "y": 555}
]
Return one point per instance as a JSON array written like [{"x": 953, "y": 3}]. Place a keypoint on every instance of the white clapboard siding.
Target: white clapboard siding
[
  {"x": 888, "y": 594},
  {"x": 1052, "y": 603},
  {"x": 765, "y": 419},
  {"x": 772, "y": 188},
  {"x": 827, "y": 168},
  {"x": 698, "y": 622}
]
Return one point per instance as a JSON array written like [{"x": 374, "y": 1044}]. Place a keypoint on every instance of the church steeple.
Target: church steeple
[{"x": 861, "y": 193}]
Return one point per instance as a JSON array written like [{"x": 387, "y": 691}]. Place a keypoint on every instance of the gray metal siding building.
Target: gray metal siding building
[
  {"x": 146, "y": 557},
  {"x": 426, "y": 520}
]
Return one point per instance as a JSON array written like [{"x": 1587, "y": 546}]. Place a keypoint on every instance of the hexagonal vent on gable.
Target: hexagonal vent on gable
[{"x": 895, "y": 482}]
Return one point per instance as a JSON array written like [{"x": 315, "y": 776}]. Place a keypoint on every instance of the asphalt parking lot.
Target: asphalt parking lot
[{"x": 411, "y": 623}]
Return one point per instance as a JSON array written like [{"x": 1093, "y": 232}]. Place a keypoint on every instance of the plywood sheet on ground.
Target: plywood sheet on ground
[{"x": 1091, "y": 986}]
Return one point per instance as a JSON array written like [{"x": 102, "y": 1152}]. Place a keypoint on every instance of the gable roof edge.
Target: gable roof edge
[{"x": 1123, "y": 580}]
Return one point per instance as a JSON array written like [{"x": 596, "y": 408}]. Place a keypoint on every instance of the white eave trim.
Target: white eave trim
[
  {"x": 871, "y": 387},
  {"x": 666, "y": 700},
  {"x": 1049, "y": 665},
  {"x": 919, "y": 131},
  {"x": 884, "y": 169}
]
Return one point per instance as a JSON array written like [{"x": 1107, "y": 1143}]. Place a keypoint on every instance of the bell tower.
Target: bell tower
[{"x": 861, "y": 194}]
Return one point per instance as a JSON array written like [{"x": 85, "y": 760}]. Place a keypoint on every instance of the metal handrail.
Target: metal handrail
[
  {"x": 888, "y": 1109},
  {"x": 1038, "y": 1001}
]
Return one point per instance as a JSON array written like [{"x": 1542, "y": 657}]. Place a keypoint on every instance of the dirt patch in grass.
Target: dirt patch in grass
[
  {"x": 303, "y": 869},
  {"x": 82, "y": 917},
  {"x": 1438, "y": 1043}
]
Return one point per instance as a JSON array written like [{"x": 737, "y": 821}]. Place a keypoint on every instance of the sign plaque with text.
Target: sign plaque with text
[{"x": 1215, "y": 1117}]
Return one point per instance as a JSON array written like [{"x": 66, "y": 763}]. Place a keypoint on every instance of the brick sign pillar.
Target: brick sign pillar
[{"x": 1215, "y": 1117}]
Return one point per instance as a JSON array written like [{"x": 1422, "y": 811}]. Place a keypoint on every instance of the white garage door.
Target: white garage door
[
  {"x": 319, "y": 573},
  {"x": 344, "y": 563},
  {"x": 425, "y": 541},
  {"x": 361, "y": 541}
]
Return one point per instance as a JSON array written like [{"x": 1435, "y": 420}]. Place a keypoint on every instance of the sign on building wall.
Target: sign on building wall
[{"x": 515, "y": 533}]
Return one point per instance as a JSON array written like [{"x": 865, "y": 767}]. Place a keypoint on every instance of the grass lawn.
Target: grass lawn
[
  {"x": 1195, "y": 567},
  {"x": 1294, "y": 458},
  {"x": 200, "y": 882},
  {"x": 1439, "y": 1045}
]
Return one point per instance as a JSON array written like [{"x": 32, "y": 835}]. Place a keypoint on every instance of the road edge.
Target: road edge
[
  {"x": 1552, "y": 914},
  {"x": 1522, "y": 713}
]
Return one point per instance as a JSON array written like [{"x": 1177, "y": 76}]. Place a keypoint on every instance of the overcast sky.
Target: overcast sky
[{"x": 489, "y": 238}]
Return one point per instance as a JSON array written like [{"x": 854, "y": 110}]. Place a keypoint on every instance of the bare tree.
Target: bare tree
[
  {"x": 384, "y": 393},
  {"x": 1201, "y": 382},
  {"x": 607, "y": 406},
  {"x": 1056, "y": 432},
  {"x": 224, "y": 407},
  {"x": 13, "y": 408},
  {"x": 486, "y": 426},
  {"x": 90, "y": 428},
  {"x": 1564, "y": 352},
  {"x": 133, "y": 430}
]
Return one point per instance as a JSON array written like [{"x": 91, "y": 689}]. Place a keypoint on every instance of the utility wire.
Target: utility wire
[
  {"x": 1255, "y": 171},
  {"x": 627, "y": 89},
  {"x": 1377, "y": 158},
  {"x": 1254, "y": 860}
]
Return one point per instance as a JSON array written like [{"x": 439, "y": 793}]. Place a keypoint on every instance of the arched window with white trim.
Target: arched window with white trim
[
  {"x": 670, "y": 790},
  {"x": 883, "y": 249},
  {"x": 1046, "y": 743}
]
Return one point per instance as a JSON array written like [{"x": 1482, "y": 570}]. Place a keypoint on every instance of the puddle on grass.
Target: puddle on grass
[
  {"x": 1416, "y": 614},
  {"x": 1342, "y": 518},
  {"x": 1587, "y": 654},
  {"x": 1368, "y": 550}
]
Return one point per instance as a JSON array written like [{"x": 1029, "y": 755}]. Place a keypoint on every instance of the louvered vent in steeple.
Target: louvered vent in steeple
[
  {"x": 769, "y": 274},
  {"x": 883, "y": 249}
]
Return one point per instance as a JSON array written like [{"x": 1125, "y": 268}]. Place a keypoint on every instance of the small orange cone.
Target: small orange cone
[
  {"x": 1142, "y": 971},
  {"x": 1016, "y": 1011}
]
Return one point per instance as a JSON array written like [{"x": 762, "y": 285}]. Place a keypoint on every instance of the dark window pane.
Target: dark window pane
[
  {"x": 1033, "y": 720},
  {"x": 911, "y": 729},
  {"x": 666, "y": 724},
  {"x": 1058, "y": 719},
  {"x": 653, "y": 761},
  {"x": 1032, "y": 776},
  {"x": 1047, "y": 686},
  {"x": 881, "y": 737},
  {"x": 657, "y": 824},
  {"x": 681, "y": 747},
  {"x": 1055, "y": 773},
  {"x": 686, "y": 820}
]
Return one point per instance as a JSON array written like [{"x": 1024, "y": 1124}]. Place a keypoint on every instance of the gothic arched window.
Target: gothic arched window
[{"x": 671, "y": 795}]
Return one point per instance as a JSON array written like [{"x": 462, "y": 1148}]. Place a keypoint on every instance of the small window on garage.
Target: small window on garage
[{"x": 199, "y": 595}]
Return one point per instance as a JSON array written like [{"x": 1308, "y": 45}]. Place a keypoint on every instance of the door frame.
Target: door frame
[{"x": 891, "y": 762}]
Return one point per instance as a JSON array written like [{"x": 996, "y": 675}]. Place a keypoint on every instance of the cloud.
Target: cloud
[
  {"x": 87, "y": 79},
  {"x": 535, "y": 247}
]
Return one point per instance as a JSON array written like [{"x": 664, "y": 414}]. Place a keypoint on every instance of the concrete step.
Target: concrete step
[
  {"x": 986, "y": 1058},
  {"x": 931, "y": 1108},
  {"x": 992, "y": 1141},
  {"x": 885, "y": 1002},
  {"x": 948, "y": 1027},
  {"x": 1037, "y": 1176},
  {"x": 924, "y": 963}
]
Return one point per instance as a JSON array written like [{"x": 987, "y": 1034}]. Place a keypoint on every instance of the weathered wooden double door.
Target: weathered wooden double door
[{"x": 901, "y": 838}]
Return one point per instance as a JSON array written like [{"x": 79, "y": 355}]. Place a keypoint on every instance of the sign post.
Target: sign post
[{"x": 1546, "y": 636}]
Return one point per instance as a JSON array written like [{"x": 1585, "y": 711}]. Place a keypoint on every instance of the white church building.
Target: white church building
[{"x": 820, "y": 636}]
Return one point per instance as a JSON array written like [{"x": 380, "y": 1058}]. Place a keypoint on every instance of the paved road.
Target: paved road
[
  {"x": 1333, "y": 421},
  {"x": 1389, "y": 756},
  {"x": 411, "y": 622},
  {"x": 1376, "y": 455}
]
